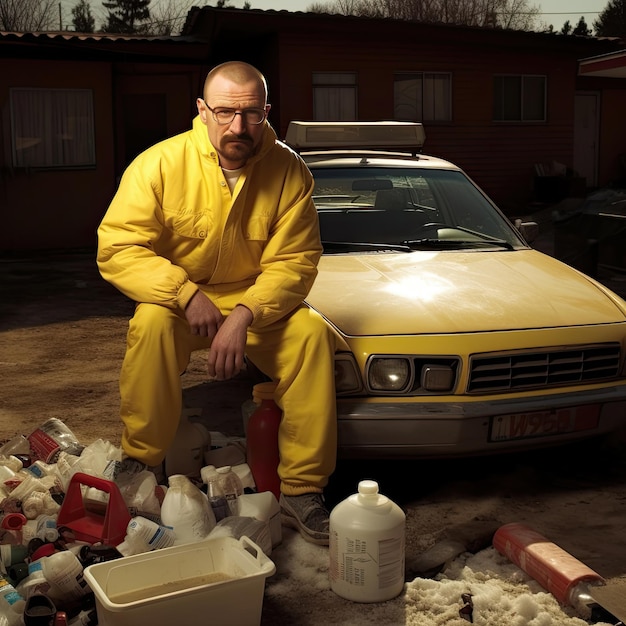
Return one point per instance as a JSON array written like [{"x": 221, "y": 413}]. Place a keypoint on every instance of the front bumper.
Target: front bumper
[{"x": 374, "y": 428}]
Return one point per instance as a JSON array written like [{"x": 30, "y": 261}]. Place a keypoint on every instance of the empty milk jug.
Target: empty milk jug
[
  {"x": 186, "y": 510},
  {"x": 366, "y": 548}
]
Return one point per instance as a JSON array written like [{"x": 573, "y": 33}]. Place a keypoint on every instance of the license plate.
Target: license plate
[{"x": 544, "y": 423}]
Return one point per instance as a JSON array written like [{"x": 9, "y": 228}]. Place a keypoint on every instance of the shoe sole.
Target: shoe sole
[{"x": 292, "y": 522}]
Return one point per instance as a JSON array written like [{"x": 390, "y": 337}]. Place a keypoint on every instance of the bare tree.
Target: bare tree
[
  {"x": 516, "y": 14},
  {"x": 168, "y": 17},
  {"x": 27, "y": 15}
]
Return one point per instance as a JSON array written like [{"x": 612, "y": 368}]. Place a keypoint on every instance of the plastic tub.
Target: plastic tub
[{"x": 222, "y": 579}]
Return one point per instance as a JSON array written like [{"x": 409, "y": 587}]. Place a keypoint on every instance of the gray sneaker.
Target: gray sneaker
[
  {"x": 307, "y": 514},
  {"x": 124, "y": 470}
]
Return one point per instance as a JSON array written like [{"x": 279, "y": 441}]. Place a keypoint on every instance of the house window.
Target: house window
[
  {"x": 519, "y": 98},
  {"x": 52, "y": 127},
  {"x": 422, "y": 97},
  {"x": 334, "y": 96}
]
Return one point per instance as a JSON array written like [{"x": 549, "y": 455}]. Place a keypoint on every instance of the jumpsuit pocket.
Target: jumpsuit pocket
[
  {"x": 257, "y": 228},
  {"x": 189, "y": 224}
]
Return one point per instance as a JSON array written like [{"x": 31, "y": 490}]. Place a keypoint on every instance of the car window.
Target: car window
[{"x": 395, "y": 205}]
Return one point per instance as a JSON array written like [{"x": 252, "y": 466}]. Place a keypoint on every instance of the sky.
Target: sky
[{"x": 553, "y": 11}]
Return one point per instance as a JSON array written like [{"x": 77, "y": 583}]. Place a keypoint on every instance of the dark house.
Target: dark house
[
  {"x": 504, "y": 105},
  {"x": 496, "y": 102}
]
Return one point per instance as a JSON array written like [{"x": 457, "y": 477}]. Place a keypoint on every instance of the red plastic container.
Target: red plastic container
[
  {"x": 262, "y": 440},
  {"x": 91, "y": 525}
]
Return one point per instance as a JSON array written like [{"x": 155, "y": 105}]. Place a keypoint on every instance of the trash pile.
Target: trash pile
[{"x": 65, "y": 506}]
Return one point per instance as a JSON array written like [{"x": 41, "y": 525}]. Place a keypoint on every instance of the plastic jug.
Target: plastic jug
[
  {"x": 262, "y": 439},
  {"x": 64, "y": 571},
  {"x": 144, "y": 535},
  {"x": 366, "y": 547},
  {"x": 187, "y": 511}
]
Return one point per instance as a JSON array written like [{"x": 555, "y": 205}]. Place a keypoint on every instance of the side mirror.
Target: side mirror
[{"x": 528, "y": 230}]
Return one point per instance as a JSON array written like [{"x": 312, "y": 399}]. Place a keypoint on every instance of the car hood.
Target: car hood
[{"x": 456, "y": 292}]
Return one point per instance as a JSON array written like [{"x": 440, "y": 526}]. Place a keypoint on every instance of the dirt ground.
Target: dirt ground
[
  {"x": 62, "y": 337},
  {"x": 62, "y": 340}
]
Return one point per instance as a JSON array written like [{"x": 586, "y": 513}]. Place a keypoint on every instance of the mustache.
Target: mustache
[{"x": 232, "y": 137}]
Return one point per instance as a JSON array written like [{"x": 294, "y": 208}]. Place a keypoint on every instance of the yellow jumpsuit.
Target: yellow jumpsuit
[{"x": 174, "y": 227}]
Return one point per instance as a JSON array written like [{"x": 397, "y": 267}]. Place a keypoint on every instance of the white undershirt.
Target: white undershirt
[{"x": 231, "y": 177}]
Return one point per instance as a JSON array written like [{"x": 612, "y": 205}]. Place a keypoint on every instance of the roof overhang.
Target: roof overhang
[{"x": 612, "y": 65}]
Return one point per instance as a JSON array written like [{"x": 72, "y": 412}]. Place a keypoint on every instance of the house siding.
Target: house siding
[
  {"x": 55, "y": 208},
  {"x": 43, "y": 209}
]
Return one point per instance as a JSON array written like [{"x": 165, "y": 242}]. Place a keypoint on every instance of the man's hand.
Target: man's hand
[
  {"x": 226, "y": 356},
  {"x": 203, "y": 316}
]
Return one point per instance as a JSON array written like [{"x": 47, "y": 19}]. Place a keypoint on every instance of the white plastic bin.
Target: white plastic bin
[{"x": 215, "y": 581}]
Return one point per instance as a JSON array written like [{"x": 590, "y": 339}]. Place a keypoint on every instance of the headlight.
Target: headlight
[
  {"x": 437, "y": 378},
  {"x": 389, "y": 374},
  {"x": 347, "y": 379}
]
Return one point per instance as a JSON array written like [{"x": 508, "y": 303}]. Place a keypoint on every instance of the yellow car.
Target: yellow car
[{"x": 457, "y": 337}]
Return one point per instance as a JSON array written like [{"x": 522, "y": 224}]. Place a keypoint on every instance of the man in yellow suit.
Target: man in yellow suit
[{"x": 214, "y": 234}]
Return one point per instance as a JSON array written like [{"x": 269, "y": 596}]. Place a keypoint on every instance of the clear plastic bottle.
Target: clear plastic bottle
[
  {"x": 16, "y": 445},
  {"x": 231, "y": 486},
  {"x": 144, "y": 535},
  {"x": 11, "y": 603},
  {"x": 366, "y": 547},
  {"x": 217, "y": 497},
  {"x": 262, "y": 439},
  {"x": 52, "y": 437},
  {"x": 186, "y": 510}
]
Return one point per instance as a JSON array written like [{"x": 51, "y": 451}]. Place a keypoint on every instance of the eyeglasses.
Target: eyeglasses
[{"x": 225, "y": 116}]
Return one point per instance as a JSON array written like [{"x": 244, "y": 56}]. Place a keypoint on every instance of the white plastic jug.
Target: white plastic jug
[
  {"x": 186, "y": 509},
  {"x": 366, "y": 547},
  {"x": 144, "y": 535},
  {"x": 64, "y": 571}
]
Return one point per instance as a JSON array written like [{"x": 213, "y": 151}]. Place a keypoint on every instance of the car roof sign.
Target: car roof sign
[{"x": 400, "y": 136}]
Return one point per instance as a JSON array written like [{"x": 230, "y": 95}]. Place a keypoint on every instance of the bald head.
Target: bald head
[
  {"x": 237, "y": 72},
  {"x": 237, "y": 93}
]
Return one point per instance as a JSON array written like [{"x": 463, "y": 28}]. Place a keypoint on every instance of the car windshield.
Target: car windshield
[{"x": 407, "y": 207}]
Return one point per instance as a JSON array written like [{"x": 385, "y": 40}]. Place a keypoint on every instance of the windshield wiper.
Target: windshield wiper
[
  {"x": 341, "y": 245},
  {"x": 449, "y": 243}
]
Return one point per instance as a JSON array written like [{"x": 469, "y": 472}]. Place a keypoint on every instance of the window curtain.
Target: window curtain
[{"x": 52, "y": 127}]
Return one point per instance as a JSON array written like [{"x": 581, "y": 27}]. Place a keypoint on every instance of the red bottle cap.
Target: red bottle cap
[
  {"x": 46, "y": 550},
  {"x": 13, "y": 521}
]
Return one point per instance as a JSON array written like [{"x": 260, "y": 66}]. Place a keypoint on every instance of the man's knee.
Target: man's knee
[{"x": 154, "y": 319}]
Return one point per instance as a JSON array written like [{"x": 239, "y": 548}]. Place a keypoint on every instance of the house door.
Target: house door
[{"x": 586, "y": 114}]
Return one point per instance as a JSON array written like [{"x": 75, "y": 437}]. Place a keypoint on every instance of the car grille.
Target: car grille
[{"x": 532, "y": 369}]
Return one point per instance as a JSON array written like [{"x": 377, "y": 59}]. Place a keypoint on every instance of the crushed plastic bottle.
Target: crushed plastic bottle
[{"x": 50, "y": 438}]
